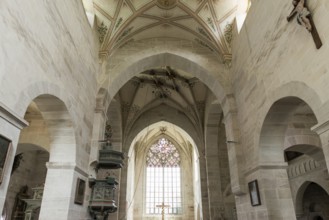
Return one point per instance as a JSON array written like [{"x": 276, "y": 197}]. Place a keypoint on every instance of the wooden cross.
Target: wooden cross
[
  {"x": 162, "y": 206},
  {"x": 305, "y": 19}
]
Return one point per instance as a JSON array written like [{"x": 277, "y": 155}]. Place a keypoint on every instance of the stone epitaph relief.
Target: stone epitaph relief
[
  {"x": 305, "y": 19},
  {"x": 4, "y": 149}
]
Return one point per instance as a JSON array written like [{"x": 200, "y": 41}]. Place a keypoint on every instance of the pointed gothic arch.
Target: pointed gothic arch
[{"x": 137, "y": 164}]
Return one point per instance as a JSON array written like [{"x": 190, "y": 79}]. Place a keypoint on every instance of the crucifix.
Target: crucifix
[
  {"x": 162, "y": 206},
  {"x": 305, "y": 19}
]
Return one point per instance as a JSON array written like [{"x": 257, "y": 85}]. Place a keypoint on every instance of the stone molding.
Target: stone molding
[
  {"x": 12, "y": 117},
  {"x": 302, "y": 167},
  {"x": 66, "y": 166},
  {"x": 271, "y": 166},
  {"x": 321, "y": 128}
]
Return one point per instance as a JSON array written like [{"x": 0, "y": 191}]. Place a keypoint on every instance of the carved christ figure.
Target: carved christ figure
[
  {"x": 304, "y": 18},
  {"x": 302, "y": 14}
]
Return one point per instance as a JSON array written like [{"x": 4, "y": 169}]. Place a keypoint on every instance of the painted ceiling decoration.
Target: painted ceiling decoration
[{"x": 207, "y": 22}]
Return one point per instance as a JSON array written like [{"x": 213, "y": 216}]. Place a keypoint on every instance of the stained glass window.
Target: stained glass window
[{"x": 163, "y": 180}]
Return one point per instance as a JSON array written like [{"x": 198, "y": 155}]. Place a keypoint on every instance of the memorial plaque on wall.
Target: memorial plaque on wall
[{"x": 4, "y": 150}]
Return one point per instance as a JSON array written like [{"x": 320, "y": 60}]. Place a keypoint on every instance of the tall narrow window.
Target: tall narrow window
[{"x": 163, "y": 181}]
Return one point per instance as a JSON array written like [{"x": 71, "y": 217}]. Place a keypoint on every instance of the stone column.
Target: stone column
[
  {"x": 234, "y": 146},
  {"x": 275, "y": 195},
  {"x": 10, "y": 127},
  {"x": 213, "y": 174},
  {"x": 204, "y": 187},
  {"x": 98, "y": 134},
  {"x": 123, "y": 192},
  {"x": 59, "y": 192}
]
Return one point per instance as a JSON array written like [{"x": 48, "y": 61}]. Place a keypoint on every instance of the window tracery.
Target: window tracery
[
  {"x": 163, "y": 154},
  {"x": 163, "y": 180}
]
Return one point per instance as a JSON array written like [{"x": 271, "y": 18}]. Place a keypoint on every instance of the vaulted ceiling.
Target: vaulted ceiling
[
  {"x": 207, "y": 22},
  {"x": 165, "y": 87}
]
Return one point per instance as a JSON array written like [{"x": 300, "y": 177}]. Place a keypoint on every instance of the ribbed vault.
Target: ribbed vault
[{"x": 208, "y": 22}]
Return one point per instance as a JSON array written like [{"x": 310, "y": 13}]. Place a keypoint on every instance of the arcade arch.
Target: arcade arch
[
  {"x": 189, "y": 157},
  {"x": 51, "y": 129},
  {"x": 289, "y": 149}
]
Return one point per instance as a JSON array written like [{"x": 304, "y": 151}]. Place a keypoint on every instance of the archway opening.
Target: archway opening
[
  {"x": 46, "y": 146},
  {"x": 289, "y": 147},
  {"x": 29, "y": 167},
  {"x": 170, "y": 88},
  {"x": 314, "y": 202},
  {"x": 28, "y": 176},
  {"x": 287, "y": 125},
  {"x": 163, "y": 169}
]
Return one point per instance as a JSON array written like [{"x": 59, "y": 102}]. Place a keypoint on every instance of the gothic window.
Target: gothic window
[{"x": 163, "y": 181}]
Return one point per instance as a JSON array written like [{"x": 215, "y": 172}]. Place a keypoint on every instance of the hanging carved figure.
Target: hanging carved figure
[
  {"x": 305, "y": 19},
  {"x": 302, "y": 14}
]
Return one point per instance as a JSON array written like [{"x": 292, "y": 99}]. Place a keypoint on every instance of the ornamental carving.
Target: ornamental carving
[
  {"x": 228, "y": 33},
  {"x": 102, "y": 30},
  {"x": 167, "y": 4}
]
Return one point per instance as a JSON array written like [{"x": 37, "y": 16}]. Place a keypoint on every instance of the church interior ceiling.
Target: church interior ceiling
[
  {"x": 165, "y": 87},
  {"x": 207, "y": 22}
]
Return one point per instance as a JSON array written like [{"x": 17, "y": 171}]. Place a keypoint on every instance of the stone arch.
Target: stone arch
[
  {"x": 301, "y": 191},
  {"x": 60, "y": 127},
  {"x": 293, "y": 91},
  {"x": 176, "y": 62},
  {"x": 45, "y": 94},
  {"x": 142, "y": 131},
  {"x": 22, "y": 147},
  {"x": 34, "y": 90},
  {"x": 144, "y": 139},
  {"x": 206, "y": 68},
  {"x": 176, "y": 119},
  {"x": 313, "y": 151},
  {"x": 295, "y": 140}
]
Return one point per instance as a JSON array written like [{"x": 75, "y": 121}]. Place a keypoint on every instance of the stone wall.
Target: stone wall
[
  {"x": 48, "y": 47},
  {"x": 273, "y": 59}
]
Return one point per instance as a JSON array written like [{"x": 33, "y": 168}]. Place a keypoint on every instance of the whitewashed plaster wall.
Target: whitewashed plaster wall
[
  {"x": 273, "y": 59},
  {"x": 48, "y": 47}
]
